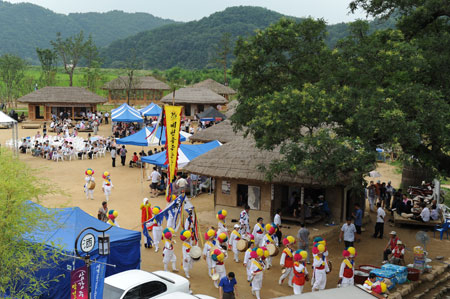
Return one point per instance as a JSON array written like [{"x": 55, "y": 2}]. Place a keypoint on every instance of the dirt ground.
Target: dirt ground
[{"x": 130, "y": 188}]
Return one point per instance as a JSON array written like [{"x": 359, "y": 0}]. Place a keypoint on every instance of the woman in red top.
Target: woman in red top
[{"x": 146, "y": 210}]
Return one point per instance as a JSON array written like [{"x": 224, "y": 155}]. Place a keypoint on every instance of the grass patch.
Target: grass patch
[{"x": 398, "y": 166}]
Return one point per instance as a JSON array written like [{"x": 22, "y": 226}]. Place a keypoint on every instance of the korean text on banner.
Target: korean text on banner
[
  {"x": 79, "y": 286},
  {"x": 173, "y": 122},
  {"x": 97, "y": 277}
]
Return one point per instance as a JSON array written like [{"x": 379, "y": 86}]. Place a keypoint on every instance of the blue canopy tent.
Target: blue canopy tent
[
  {"x": 144, "y": 138},
  {"x": 186, "y": 153},
  {"x": 125, "y": 251},
  {"x": 126, "y": 113},
  {"x": 151, "y": 110}
]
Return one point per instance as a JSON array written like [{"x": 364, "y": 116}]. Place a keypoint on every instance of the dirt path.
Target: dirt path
[{"x": 127, "y": 196}]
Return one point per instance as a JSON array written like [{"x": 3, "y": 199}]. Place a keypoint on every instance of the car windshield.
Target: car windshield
[{"x": 111, "y": 292}]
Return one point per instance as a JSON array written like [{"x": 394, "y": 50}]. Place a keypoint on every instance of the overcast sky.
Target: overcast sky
[{"x": 333, "y": 11}]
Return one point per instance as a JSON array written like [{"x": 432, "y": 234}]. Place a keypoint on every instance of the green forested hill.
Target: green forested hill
[
  {"x": 191, "y": 44},
  {"x": 24, "y": 26}
]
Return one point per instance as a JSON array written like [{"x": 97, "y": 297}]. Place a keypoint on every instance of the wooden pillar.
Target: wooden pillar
[
  {"x": 73, "y": 112},
  {"x": 109, "y": 96},
  {"x": 31, "y": 112}
]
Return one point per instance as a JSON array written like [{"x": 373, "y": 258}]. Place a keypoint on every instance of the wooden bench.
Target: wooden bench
[
  {"x": 311, "y": 220},
  {"x": 31, "y": 126},
  {"x": 86, "y": 130},
  {"x": 398, "y": 220}
]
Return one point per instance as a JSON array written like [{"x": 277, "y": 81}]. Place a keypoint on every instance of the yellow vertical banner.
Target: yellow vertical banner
[{"x": 173, "y": 122}]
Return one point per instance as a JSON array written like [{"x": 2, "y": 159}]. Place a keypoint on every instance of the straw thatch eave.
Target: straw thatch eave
[
  {"x": 66, "y": 95},
  {"x": 140, "y": 83},
  {"x": 216, "y": 87},
  {"x": 195, "y": 95},
  {"x": 241, "y": 160},
  {"x": 222, "y": 131}
]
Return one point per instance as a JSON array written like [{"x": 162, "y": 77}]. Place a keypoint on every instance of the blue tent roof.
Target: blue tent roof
[
  {"x": 186, "y": 153},
  {"x": 125, "y": 246},
  {"x": 142, "y": 138},
  {"x": 126, "y": 113},
  {"x": 151, "y": 110}
]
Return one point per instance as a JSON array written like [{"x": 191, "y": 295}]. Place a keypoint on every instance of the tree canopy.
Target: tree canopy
[
  {"x": 22, "y": 255},
  {"x": 328, "y": 110}
]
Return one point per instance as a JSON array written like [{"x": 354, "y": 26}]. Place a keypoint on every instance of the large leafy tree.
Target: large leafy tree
[
  {"x": 22, "y": 253},
  {"x": 12, "y": 72},
  {"x": 48, "y": 60},
  {"x": 72, "y": 50},
  {"x": 329, "y": 110}
]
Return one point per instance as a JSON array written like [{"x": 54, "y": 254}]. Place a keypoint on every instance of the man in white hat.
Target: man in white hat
[
  {"x": 235, "y": 236},
  {"x": 398, "y": 254},
  {"x": 390, "y": 246}
]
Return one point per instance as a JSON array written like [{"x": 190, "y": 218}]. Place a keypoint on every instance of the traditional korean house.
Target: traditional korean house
[
  {"x": 144, "y": 90},
  {"x": 239, "y": 180},
  {"x": 194, "y": 99},
  {"x": 218, "y": 88},
  {"x": 44, "y": 102},
  {"x": 222, "y": 132}
]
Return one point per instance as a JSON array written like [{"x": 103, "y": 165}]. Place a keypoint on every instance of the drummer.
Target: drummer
[
  {"x": 185, "y": 237},
  {"x": 270, "y": 238},
  {"x": 90, "y": 180},
  {"x": 248, "y": 258},
  {"x": 258, "y": 232},
  {"x": 209, "y": 244},
  {"x": 287, "y": 260},
  {"x": 234, "y": 238},
  {"x": 244, "y": 220},
  {"x": 218, "y": 257}
]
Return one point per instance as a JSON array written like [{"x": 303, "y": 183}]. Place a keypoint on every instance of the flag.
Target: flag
[{"x": 172, "y": 121}]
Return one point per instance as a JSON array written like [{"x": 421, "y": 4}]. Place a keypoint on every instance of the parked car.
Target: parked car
[
  {"x": 139, "y": 284},
  {"x": 178, "y": 295}
]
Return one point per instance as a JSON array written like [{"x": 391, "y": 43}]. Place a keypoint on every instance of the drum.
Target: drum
[
  {"x": 273, "y": 250},
  {"x": 91, "y": 185},
  {"x": 215, "y": 276},
  {"x": 195, "y": 253},
  {"x": 242, "y": 245}
]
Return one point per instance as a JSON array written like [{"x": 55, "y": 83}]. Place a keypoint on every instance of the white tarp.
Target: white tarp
[{"x": 5, "y": 119}]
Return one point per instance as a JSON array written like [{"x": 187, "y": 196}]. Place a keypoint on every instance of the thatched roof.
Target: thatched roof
[
  {"x": 215, "y": 86},
  {"x": 240, "y": 159},
  {"x": 211, "y": 112},
  {"x": 222, "y": 131},
  {"x": 57, "y": 94},
  {"x": 194, "y": 95},
  {"x": 231, "y": 108},
  {"x": 147, "y": 82}
]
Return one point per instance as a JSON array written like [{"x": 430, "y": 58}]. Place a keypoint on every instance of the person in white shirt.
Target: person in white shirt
[
  {"x": 434, "y": 213},
  {"x": 425, "y": 214},
  {"x": 379, "y": 226},
  {"x": 181, "y": 184},
  {"x": 244, "y": 220},
  {"x": 348, "y": 231},
  {"x": 277, "y": 222},
  {"x": 258, "y": 232},
  {"x": 155, "y": 176}
]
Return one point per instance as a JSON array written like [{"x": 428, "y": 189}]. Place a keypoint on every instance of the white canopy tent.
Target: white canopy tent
[{"x": 5, "y": 120}]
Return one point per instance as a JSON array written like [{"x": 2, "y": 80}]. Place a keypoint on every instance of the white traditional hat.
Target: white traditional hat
[{"x": 145, "y": 200}]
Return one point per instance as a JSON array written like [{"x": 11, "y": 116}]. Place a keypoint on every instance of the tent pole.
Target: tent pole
[{"x": 142, "y": 176}]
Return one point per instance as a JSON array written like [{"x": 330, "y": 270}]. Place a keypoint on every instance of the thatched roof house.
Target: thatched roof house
[
  {"x": 55, "y": 99},
  {"x": 231, "y": 108},
  {"x": 222, "y": 131},
  {"x": 195, "y": 99},
  {"x": 239, "y": 180},
  {"x": 215, "y": 86},
  {"x": 143, "y": 90}
]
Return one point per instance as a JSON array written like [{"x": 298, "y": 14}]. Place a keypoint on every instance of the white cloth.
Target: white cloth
[
  {"x": 107, "y": 189},
  {"x": 349, "y": 232},
  {"x": 89, "y": 192},
  {"x": 244, "y": 220},
  {"x": 247, "y": 263},
  {"x": 346, "y": 281},
  {"x": 300, "y": 267},
  {"x": 277, "y": 220},
  {"x": 187, "y": 260},
  {"x": 320, "y": 275},
  {"x": 206, "y": 252},
  {"x": 258, "y": 232},
  {"x": 169, "y": 255},
  {"x": 156, "y": 176},
  {"x": 425, "y": 214},
  {"x": 234, "y": 236},
  {"x": 257, "y": 275},
  {"x": 380, "y": 215},
  {"x": 157, "y": 235}
]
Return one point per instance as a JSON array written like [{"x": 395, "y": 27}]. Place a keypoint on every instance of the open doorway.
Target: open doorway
[{"x": 242, "y": 195}]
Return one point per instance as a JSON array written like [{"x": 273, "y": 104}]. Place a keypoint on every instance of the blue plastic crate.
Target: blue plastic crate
[{"x": 401, "y": 272}]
